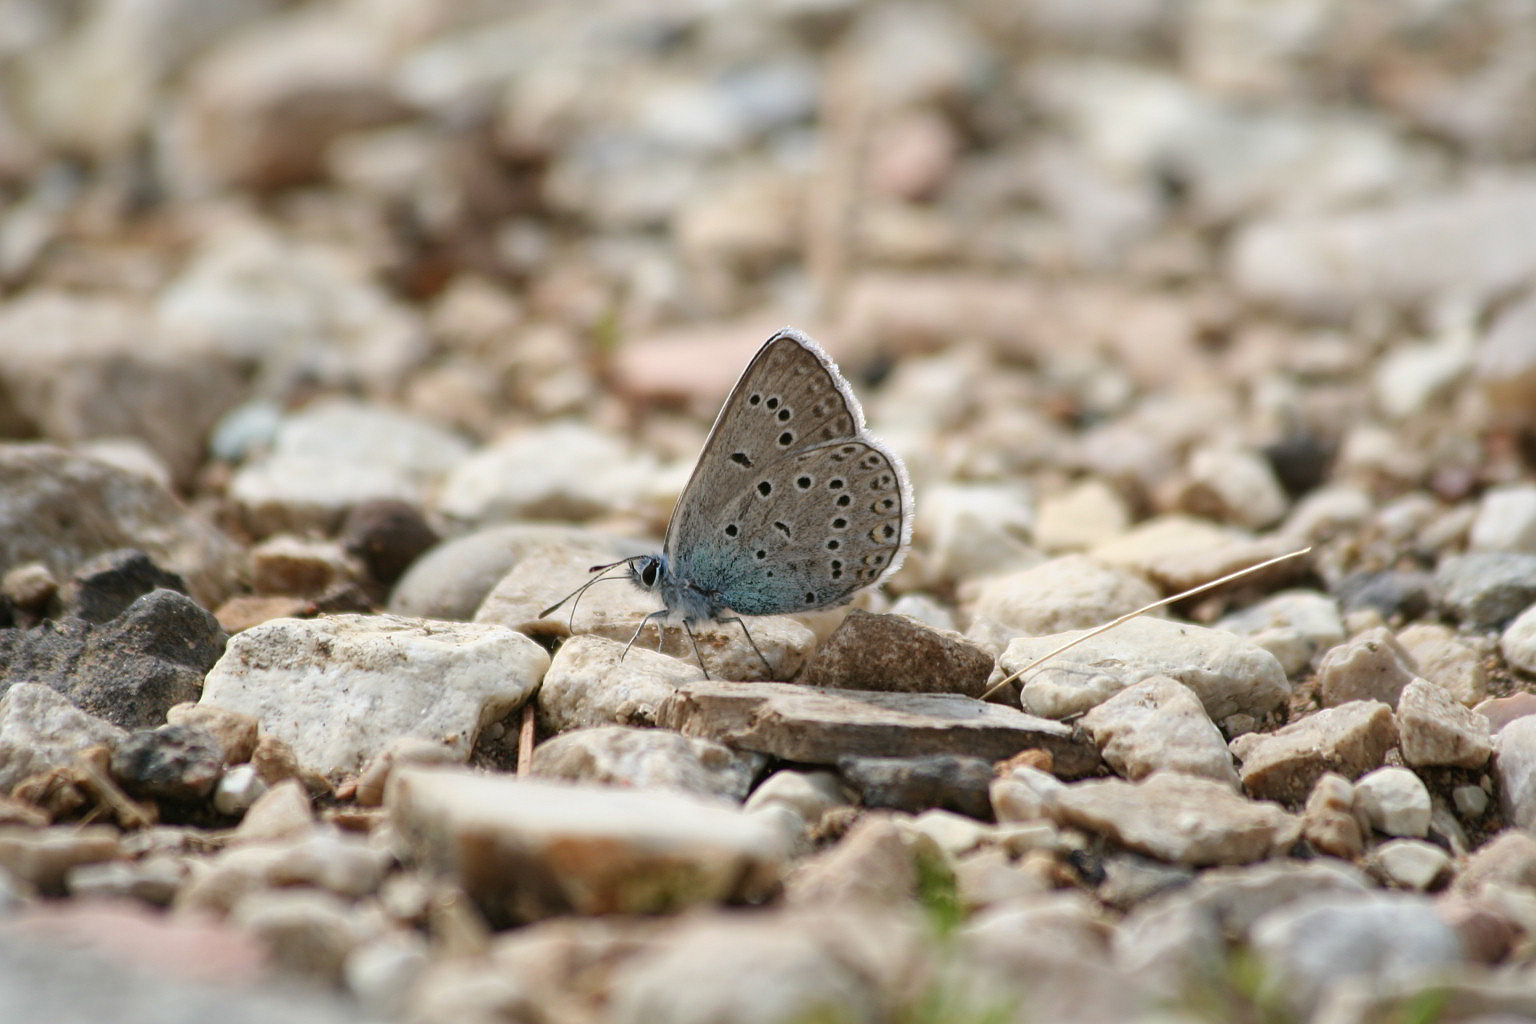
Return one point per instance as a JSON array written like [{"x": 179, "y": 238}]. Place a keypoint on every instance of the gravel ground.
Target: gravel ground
[{"x": 339, "y": 339}]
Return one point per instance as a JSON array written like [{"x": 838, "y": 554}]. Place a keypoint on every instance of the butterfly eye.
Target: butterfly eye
[{"x": 648, "y": 574}]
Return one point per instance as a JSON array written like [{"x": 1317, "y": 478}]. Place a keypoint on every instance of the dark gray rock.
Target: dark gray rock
[
  {"x": 176, "y": 763},
  {"x": 953, "y": 782},
  {"x": 104, "y": 587},
  {"x": 1301, "y": 461},
  {"x": 1487, "y": 589},
  {"x": 387, "y": 536},
  {"x": 129, "y": 671},
  {"x": 1394, "y": 592}
]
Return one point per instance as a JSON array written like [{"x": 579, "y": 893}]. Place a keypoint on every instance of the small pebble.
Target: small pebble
[
  {"x": 1394, "y": 801},
  {"x": 239, "y": 788}
]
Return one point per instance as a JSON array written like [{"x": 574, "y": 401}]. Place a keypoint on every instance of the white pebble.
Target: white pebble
[
  {"x": 1395, "y": 802},
  {"x": 238, "y": 790}
]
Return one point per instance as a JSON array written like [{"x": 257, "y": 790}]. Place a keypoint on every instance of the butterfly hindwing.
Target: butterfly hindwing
[{"x": 832, "y": 521}]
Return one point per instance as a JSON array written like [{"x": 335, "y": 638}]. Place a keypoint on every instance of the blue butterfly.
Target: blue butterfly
[{"x": 791, "y": 507}]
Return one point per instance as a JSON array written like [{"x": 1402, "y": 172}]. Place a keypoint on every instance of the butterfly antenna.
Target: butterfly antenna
[
  {"x": 583, "y": 588},
  {"x": 1191, "y": 592}
]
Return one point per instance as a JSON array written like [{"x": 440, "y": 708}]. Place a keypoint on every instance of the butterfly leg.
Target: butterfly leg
[
  {"x": 755, "y": 649},
  {"x": 641, "y": 628},
  {"x": 688, "y": 627}
]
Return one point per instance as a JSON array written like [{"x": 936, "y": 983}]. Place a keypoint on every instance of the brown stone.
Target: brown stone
[
  {"x": 1371, "y": 666},
  {"x": 1350, "y": 739},
  {"x": 235, "y": 731},
  {"x": 895, "y": 654}
]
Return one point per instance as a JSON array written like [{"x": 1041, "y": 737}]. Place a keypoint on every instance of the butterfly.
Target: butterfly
[{"x": 791, "y": 507}]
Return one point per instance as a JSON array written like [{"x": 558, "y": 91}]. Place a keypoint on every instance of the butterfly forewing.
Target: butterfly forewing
[
  {"x": 790, "y": 397},
  {"x": 789, "y": 512}
]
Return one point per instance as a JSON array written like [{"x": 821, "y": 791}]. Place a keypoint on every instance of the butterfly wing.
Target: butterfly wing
[{"x": 791, "y": 506}]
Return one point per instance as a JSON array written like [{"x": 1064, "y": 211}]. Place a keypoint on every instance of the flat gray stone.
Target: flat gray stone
[
  {"x": 915, "y": 784},
  {"x": 819, "y": 726}
]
